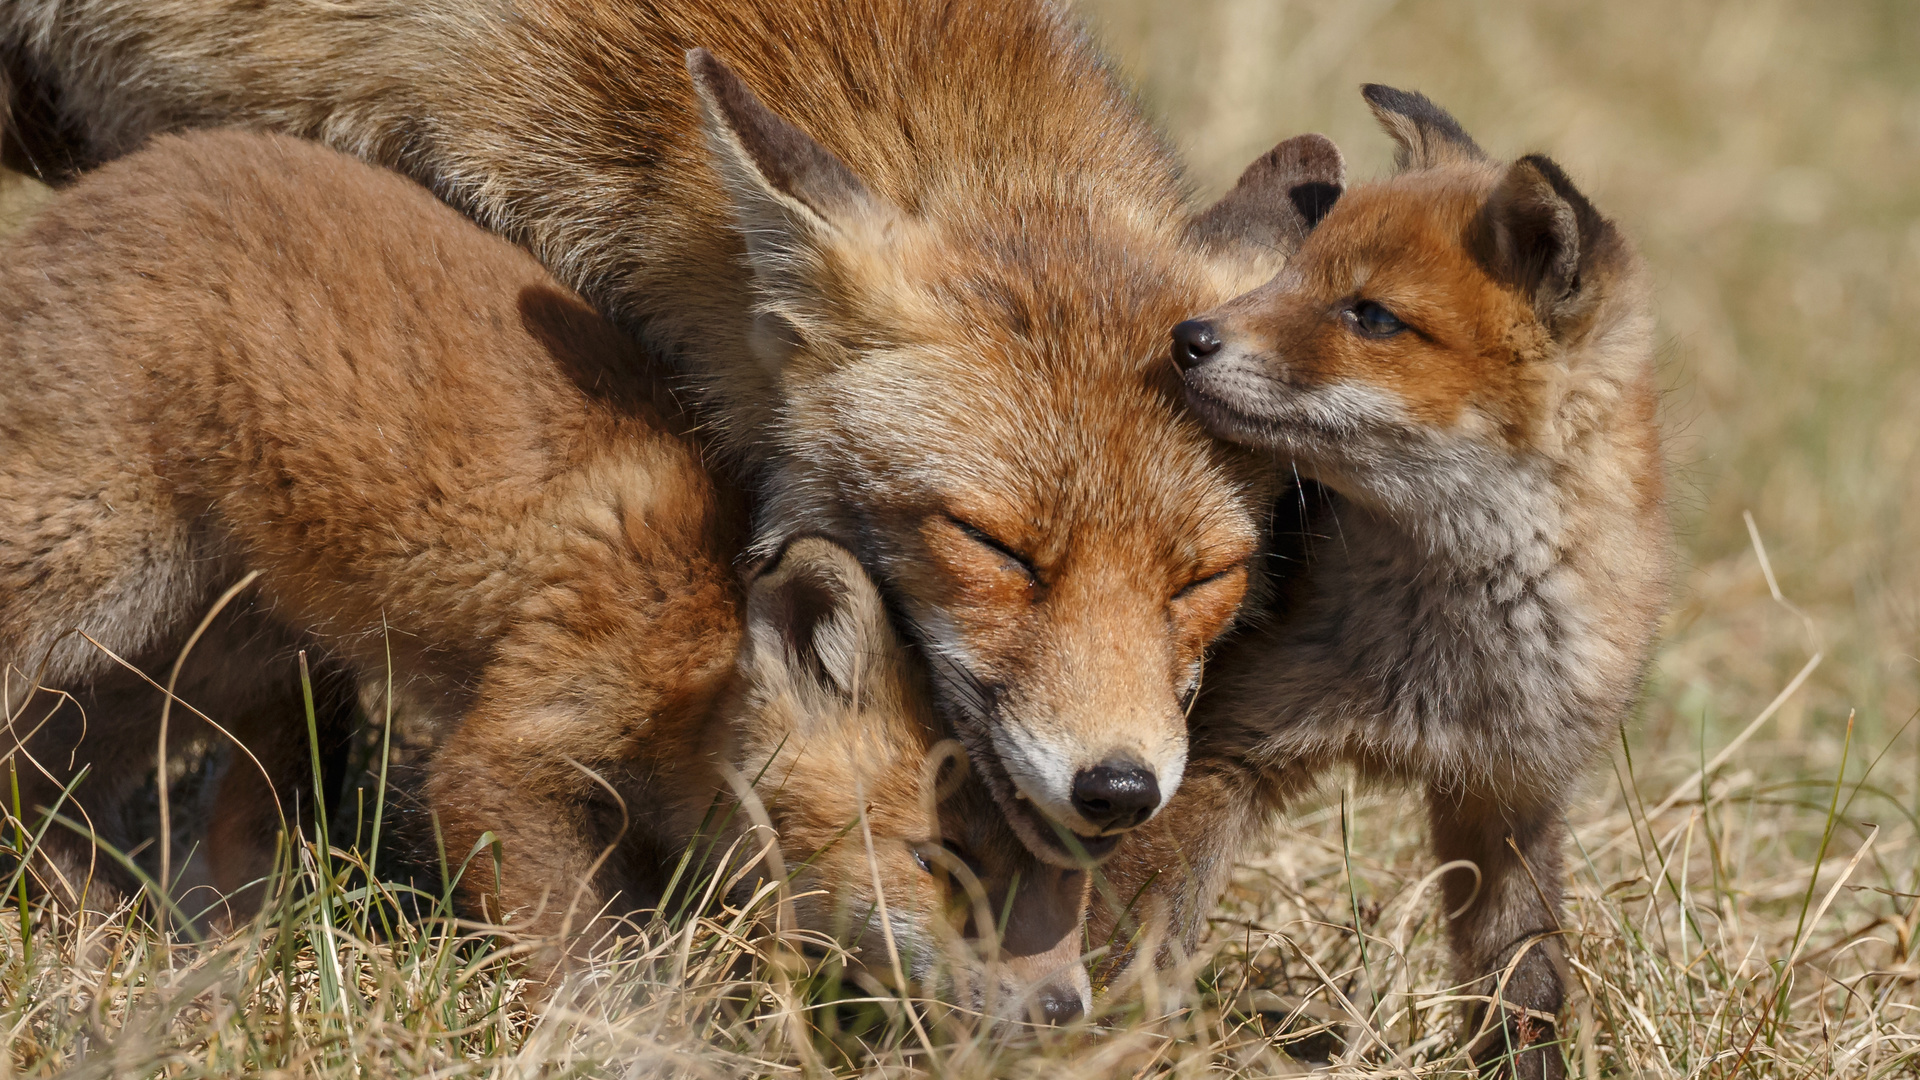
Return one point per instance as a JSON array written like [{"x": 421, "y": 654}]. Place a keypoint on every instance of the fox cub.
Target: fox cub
[
  {"x": 1458, "y": 362},
  {"x": 235, "y": 354}
]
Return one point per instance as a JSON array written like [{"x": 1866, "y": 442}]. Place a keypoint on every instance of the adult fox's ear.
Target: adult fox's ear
[
  {"x": 1426, "y": 133},
  {"x": 816, "y": 625},
  {"x": 1538, "y": 233},
  {"x": 792, "y": 197},
  {"x": 1279, "y": 198}
]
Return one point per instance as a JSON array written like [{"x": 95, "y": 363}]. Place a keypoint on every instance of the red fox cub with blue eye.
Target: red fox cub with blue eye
[
  {"x": 234, "y": 354},
  {"x": 1458, "y": 362}
]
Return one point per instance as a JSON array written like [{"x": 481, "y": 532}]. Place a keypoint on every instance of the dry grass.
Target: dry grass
[{"x": 1761, "y": 921}]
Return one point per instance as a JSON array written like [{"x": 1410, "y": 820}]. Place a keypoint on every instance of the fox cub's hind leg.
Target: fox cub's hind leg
[{"x": 79, "y": 580}]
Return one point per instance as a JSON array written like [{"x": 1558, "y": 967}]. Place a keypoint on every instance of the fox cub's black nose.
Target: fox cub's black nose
[
  {"x": 1115, "y": 796},
  {"x": 1058, "y": 1004},
  {"x": 1194, "y": 341}
]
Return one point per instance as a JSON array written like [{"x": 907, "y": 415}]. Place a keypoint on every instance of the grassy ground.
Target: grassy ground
[{"x": 1766, "y": 155}]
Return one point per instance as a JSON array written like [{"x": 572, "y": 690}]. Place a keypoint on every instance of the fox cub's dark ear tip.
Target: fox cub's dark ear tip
[
  {"x": 1279, "y": 198},
  {"x": 1382, "y": 96},
  {"x": 1428, "y": 134},
  {"x": 1540, "y": 233},
  {"x": 1411, "y": 104},
  {"x": 1594, "y": 226},
  {"x": 1312, "y": 157},
  {"x": 1557, "y": 178}
]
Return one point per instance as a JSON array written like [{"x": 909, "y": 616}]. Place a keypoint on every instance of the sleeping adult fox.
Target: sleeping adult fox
[
  {"x": 1459, "y": 361},
  {"x": 237, "y": 353},
  {"x": 918, "y": 277}
]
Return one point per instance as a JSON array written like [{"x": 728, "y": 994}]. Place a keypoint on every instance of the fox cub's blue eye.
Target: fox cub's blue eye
[{"x": 1372, "y": 320}]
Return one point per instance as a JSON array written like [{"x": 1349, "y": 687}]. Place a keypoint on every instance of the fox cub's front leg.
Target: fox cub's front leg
[
  {"x": 1503, "y": 924},
  {"x": 521, "y": 774}
]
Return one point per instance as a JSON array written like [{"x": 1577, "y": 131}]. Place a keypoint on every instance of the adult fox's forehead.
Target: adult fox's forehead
[{"x": 1109, "y": 454}]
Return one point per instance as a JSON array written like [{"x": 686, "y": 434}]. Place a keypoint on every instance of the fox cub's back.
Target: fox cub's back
[{"x": 230, "y": 285}]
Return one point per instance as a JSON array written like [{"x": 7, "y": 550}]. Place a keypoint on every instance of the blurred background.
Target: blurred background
[{"x": 1765, "y": 154}]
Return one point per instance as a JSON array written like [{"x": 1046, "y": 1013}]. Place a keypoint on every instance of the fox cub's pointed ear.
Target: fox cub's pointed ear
[
  {"x": 1428, "y": 135},
  {"x": 817, "y": 625},
  {"x": 1279, "y": 199},
  {"x": 1538, "y": 233},
  {"x": 790, "y": 194}
]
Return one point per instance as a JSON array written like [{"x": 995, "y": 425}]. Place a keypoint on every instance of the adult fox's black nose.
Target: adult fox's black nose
[
  {"x": 1057, "y": 1004},
  {"x": 1194, "y": 341},
  {"x": 1115, "y": 795}
]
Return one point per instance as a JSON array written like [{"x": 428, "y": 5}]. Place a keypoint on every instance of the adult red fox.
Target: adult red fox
[
  {"x": 1460, "y": 359},
  {"x": 238, "y": 354},
  {"x": 916, "y": 261}
]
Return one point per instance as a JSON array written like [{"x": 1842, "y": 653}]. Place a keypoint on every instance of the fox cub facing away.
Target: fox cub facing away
[
  {"x": 233, "y": 353},
  {"x": 1458, "y": 361}
]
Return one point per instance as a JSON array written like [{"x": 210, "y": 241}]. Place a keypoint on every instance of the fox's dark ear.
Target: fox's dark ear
[
  {"x": 1279, "y": 199},
  {"x": 816, "y": 621},
  {"x": 1426, "y": 133},
  {"x": 791, "y": 196},
  {"x": 1538, "y": 233}
]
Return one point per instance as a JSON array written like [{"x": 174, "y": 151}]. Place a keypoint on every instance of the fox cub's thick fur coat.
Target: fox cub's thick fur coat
[
  {"x": 916, "y": 259},
  {"x": 237, "y": 353},
  {"x": 1459, "y": 364}
]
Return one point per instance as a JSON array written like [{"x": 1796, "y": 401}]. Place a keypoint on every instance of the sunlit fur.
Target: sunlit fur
[
  {"x": 982, "y": 339},
  {"x": 1484, "y": 538},
  {"x": 235, "y": 353}
]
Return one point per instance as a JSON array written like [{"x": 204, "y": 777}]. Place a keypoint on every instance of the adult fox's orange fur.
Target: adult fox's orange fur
[
  {"x": 918, "y": 275},
  {"x": 1459, "y": 363},
  {"x": 235, "y": 353}
]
